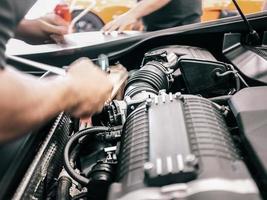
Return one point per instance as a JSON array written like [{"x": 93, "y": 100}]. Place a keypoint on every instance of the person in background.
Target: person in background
[
  {"x": 158, "y": 14},
  {"x": 26, "y": 101}
]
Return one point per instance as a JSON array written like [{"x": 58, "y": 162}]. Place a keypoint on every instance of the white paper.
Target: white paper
[{"x": 73, "y": 41}]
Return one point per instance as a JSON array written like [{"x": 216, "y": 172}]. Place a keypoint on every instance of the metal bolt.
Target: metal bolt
[
  {"x": 177, "y": 95},
  {"x": 161, "y": 92},
  {"x": 191, "y": 160},
  {"x": 156, "y": 100},
  {"x": 149, "y": 102},
  {"x": 148, "y": 166},
  {"x": 163, "y": 97},
  {"x": 171, "y": 97}
]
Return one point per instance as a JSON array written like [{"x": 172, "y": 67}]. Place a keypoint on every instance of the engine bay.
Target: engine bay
[{"x": 189, "y": 125}]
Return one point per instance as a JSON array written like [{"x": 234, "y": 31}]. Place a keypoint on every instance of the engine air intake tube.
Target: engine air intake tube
[{"x": 151, "y": 78}]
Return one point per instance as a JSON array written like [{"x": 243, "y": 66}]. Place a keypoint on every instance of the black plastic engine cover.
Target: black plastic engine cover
[
  {"x": 250, "y": 109},
  {"x": 200, "y": 77},
  {"x": 179, "y": 147},
  {"x": 171, "y": 159}
]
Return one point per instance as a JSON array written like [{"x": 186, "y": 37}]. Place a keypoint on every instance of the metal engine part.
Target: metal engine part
[
  {"x": 179, "y": 147},
  {"x": 168, "y": 146}
]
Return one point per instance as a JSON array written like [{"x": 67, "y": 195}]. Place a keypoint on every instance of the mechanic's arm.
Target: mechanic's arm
[
  {"x": 142, "y": 8},
  {"x": 26, "y": 102},
  {"x": 37, "y": 31}
]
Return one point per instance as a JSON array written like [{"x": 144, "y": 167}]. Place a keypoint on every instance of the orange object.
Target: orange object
[
  {"x": 63, "y": 11},
  {"x": 107, "y": 10},
  {"x": 213, "y": 8}
]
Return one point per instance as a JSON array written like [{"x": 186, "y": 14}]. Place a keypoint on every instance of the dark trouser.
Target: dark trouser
[{"x": 188, "y": 20}]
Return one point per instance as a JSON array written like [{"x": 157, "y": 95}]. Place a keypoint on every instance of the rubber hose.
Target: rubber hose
[
  {"x": 70, "y": 145},
  {"x": 63, "y": 190}
]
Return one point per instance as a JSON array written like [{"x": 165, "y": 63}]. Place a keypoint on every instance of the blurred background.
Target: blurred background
[{"x": 102, "y": 11}]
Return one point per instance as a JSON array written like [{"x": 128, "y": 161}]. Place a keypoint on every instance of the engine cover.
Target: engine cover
[
  {"x": 250, "y": 109},
  {"x": 178, "y": 146}
]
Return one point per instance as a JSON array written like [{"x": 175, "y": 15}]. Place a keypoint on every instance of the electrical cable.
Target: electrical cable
[
  {"x": 243, "y": 81},
  {"x": 235, "y": 73},
  {"x": 70, "y": 145},
  {"x": 224, "y": 73},
  {"x": 239, "y": 76},
  {"x": 73, "y": 155}
]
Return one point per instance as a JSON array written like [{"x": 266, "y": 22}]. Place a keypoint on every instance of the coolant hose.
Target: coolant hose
[
  {"x": 63, "y": 189},
  {"x": 69, "y": 147}
]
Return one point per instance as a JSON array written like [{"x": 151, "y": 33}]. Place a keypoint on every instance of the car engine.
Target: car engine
[{"x": 184, "y": 129}]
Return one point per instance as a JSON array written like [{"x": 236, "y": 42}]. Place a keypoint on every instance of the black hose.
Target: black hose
[
  {"x": 237, "y": 82},
  {"x": 235, "y": 73},
  {"x": 73, "y": 154},
  {"x": 150, "y": 78},
  {"x": 70, "y": 145},
  {"x": 63, "y": 190},
  {"x": 243, "y": 80}
]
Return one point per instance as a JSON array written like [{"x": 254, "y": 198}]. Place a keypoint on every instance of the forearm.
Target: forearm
[
  {"x": 26, "y": 102},
  {"x": 146, "y": 7}
]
